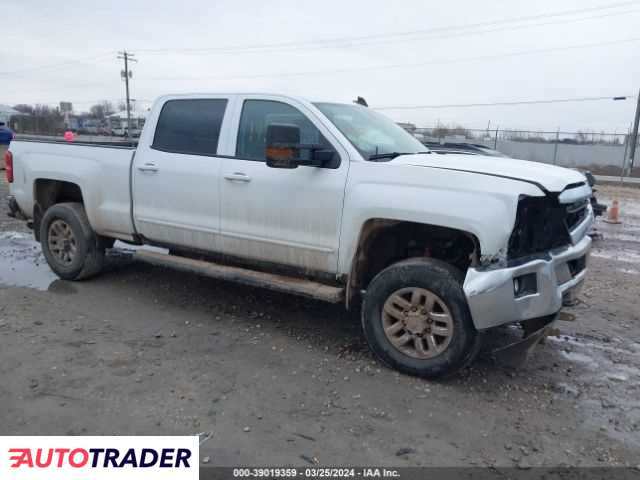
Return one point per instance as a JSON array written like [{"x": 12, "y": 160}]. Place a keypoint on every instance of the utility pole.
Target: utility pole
[
  {"x": 634, "y": 136},
  {"x": 127, "y": 74}
]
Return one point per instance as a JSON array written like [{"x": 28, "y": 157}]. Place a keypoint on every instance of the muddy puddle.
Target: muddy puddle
[
  {"x": 610, "y": 368},
  {"x": 22, "y": 263}
]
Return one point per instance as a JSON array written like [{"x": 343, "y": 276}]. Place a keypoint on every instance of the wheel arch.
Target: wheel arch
[
  {"x": 48, "y": 192},
  {"x": 383, "y": 241}
]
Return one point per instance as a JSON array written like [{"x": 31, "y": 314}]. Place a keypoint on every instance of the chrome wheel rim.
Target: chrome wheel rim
[
  {"x": 417, "y": 322},
  {"x": 62, "y": 242}
]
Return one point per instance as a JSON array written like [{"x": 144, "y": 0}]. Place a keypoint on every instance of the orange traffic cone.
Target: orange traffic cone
[{"x": 614, "y": 213}]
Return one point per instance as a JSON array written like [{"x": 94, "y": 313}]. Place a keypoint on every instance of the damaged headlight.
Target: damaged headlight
[{"x": 540, "y": 227}]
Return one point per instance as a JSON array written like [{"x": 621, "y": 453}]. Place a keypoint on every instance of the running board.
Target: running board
[{"x": 280, "y": 283}]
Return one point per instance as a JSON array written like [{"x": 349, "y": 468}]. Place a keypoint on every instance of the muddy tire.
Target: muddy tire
[
  {"x": 416, "y": 319},
  {"x": 71, "y": 247}
]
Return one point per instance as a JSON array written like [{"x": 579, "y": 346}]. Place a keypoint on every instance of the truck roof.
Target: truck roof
[{"x": 266, "y": 94}]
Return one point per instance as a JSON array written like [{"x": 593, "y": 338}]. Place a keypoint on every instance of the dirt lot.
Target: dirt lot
[{"x": 273, "y": 379}]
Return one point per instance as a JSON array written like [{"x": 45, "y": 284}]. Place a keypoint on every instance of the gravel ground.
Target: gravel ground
[{"x": 270, "y": 379}]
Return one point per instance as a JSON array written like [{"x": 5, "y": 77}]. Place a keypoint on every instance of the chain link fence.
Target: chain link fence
[{"x": 602, "y": 153}]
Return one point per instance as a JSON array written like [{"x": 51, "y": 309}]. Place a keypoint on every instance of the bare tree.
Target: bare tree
[
  {"x": 22, "y": 108},
  {"x": 101, "y": 110},
  {"x": 581, "y": 137},
  {"x": 40, "y": 119},
  {"x": 444, "y": 131}
]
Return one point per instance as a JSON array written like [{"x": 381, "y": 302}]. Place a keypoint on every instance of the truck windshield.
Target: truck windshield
[{"x": 374, "y": 135}]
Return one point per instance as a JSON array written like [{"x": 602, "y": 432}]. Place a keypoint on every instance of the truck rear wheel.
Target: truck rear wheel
[
  {"x": 416, "y": 319},
  {"x": 71, "y": 247}
]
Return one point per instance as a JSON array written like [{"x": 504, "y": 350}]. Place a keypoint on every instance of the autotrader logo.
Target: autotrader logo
[
  {"x": 105, "y": 457},
  {"x": 100, "y": 458}
]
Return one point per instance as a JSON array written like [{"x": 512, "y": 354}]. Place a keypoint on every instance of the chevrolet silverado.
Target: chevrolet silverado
[{"x": 327, "y": 200}]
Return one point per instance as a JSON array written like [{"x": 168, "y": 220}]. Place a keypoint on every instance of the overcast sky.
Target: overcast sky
[{"x": 398, "y": 53}]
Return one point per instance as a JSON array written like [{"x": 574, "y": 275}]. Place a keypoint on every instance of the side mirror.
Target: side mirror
[
  {"x": 283, "y": 143},
  {"x": 324, "y": 157}
]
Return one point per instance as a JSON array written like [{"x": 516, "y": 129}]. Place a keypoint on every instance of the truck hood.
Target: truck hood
[{"x": 548, "y": 177}]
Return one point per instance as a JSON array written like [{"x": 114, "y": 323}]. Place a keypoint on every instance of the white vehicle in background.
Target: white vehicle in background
[
  {"x": 122, "y": 132},
  {"x": 119, "y": 124},
  {"x": 330, "y": 201}
]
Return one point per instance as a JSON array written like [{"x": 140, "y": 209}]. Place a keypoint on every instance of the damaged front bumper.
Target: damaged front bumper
[{"x": 534, "y": 289}]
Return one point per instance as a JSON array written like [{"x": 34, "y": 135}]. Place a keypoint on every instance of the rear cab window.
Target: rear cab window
[{"x": 190, "y": 126}]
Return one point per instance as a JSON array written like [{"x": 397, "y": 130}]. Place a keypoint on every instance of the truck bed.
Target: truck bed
[{"x": 100, "y": 170}]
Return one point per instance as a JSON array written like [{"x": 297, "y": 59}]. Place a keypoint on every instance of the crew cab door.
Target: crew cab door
[
  {"x": 176, "y": 173},
  {"x": 281, "y": 216}
]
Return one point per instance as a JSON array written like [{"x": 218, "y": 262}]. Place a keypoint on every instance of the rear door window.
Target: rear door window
[{"x": 190, "y": 126}]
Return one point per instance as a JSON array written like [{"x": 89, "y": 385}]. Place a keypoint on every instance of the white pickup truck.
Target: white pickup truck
[{"x": 327, "y": 200}]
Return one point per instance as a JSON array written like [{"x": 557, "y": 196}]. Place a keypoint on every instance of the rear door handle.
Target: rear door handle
[
  {"x": 238, "y": 177},
  {"x": 148, "y": 167}
]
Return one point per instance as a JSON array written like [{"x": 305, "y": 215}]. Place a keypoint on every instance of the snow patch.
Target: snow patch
[
  {"x": 625, "y": 256},
  {"x": 629, "y": 271}
]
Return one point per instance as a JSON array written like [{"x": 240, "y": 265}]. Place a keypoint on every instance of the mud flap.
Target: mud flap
[{"x": 14, "y": 209}]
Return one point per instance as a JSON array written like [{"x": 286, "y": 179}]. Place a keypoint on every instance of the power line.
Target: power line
[
  {"x": 390, "y": 41},
  {"x": 58, "y": 65},
  {"x": 445, "y": 61},
  {"x": 500, "y": 104},
  {"x": 339, "y": 41},
  {"x": 481, "y": 32},
  {"x": 405, "y": 65},
  {"x": 361, "y": 40}
]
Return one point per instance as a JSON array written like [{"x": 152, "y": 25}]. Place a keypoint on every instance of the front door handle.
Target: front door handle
[
  {"x": 238, "y": 177},
  {"x": 148, "y": 167}
]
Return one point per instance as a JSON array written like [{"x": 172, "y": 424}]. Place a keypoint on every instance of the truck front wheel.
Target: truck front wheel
[
  {"x": 416, "y": 319},
  {"x": 71, "y": 247}
]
